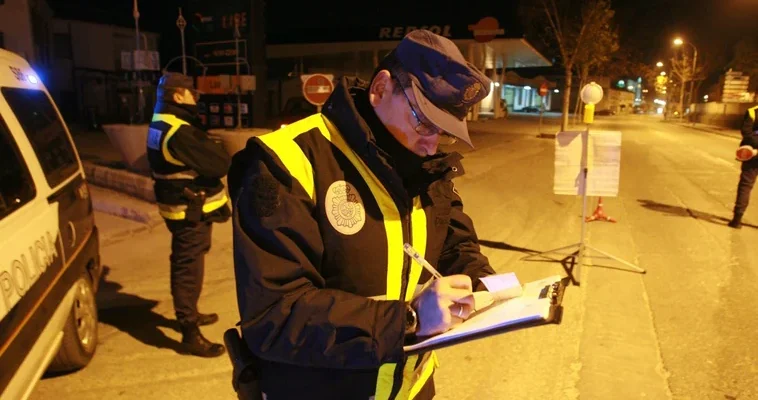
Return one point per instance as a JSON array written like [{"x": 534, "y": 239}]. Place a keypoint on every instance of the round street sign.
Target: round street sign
[
  {"x": 543, "y": 89},
  {"x": 317, "y": 88},
  {"x": 592, "y": 93}
]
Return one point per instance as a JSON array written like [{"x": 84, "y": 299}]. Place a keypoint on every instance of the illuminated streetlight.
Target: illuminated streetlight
[
  {"x": 659, "y": 64},
  {"x": 663, "y": 73},
  {"x": 678, "y": 42}
]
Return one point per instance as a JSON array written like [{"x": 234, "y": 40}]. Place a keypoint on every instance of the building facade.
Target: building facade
[
  {"x": 94, "y": 81},
  {"x": 25, "y": 30}
]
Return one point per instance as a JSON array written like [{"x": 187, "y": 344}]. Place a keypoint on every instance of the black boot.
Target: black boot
[
  {"x": 207, "y": 319},
  {"x": 736, "y": 222},
  {"x": 195, "y": 343}
]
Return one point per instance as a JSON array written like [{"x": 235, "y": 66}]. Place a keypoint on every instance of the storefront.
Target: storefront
[
  {"x": 348, "y": 49},
  {"x": 484, "y": 43}
]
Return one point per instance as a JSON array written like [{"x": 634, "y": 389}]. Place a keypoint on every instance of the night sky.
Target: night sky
[
  {"x": 645, "y": 25},
  {"x": 713, "y": 26}
]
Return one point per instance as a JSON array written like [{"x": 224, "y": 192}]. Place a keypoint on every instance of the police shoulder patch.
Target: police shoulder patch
[
  {"x": 154, "y": 138},
  {"x": 344, "y": 208}
]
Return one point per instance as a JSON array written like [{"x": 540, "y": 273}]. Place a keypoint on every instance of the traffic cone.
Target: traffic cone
[{"x": 599, "y": 214}]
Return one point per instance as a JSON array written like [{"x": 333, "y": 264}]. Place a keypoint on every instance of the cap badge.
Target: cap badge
[{"x": 472, "y": 91}]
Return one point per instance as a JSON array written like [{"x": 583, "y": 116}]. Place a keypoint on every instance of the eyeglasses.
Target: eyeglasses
[{"x": 427, "y": 128}]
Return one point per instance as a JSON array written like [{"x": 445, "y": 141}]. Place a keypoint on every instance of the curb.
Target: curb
[
  {"x": 122, "y": 211},
  {"x": 124, "y": 206},
  {"x": 122, "y": 235},
  {"x": 123, "y": 181}
]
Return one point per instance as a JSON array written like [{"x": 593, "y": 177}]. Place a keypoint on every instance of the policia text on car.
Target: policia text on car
[
  {"x": 187, "y": 166},
  {"x": 322, "y": 209}
]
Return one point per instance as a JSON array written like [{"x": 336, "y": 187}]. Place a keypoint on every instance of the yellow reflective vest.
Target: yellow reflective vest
[{"x": 322, "y": 278}]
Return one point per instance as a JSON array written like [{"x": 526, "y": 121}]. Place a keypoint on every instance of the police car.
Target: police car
[{"x": 49, "y": 255}]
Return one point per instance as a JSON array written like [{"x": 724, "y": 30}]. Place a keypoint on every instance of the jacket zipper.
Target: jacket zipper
[{"x": 405, "y": 277}]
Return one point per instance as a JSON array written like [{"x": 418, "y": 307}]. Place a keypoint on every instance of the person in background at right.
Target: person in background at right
[{"x": 749, "y": 167}]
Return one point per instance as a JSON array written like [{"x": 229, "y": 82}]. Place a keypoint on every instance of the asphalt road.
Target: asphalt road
[{"x": 683, "y": 330}]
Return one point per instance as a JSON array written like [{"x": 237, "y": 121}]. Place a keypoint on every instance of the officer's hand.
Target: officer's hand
[{"x": 446, "y": 302}]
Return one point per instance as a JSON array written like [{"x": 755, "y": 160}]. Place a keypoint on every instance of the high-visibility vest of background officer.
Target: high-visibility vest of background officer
[{"x": 187, "y": 166}]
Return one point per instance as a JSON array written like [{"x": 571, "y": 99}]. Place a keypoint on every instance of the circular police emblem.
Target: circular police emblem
[
  {"x": 344, "y": 208},
  {"x": 472, "y": 91}
]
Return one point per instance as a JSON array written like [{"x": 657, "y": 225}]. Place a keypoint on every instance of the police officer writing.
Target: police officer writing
[
  {"x": 187, "y": 166},
  {"x": 749, "y": 166},
  {"x": 322, "y": 209}
]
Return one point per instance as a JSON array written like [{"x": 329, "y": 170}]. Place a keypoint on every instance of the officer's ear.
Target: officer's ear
[
  {"x": 381, "y": 88},
  {"x": 178, "y": 97}
]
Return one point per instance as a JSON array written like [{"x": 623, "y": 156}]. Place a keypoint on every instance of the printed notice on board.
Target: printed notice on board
[{"x": 603, "y": 163}]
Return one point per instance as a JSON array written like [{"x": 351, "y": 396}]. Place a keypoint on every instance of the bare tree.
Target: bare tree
[
  {"x": 596, "y": 52},
  {"x": 571, "y": 26},
  {"x": 681, "y": 67}
]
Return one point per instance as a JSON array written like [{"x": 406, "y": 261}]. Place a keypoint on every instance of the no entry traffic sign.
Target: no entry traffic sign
[{"x": 317, "y": 88}]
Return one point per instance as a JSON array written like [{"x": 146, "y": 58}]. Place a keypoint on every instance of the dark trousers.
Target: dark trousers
[
  {"x": 747, "y": 180},
  {"x": 190, "y": 241}
]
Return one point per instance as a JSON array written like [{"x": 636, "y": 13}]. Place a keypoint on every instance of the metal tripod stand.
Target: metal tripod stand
[{"x": 580, "y": 249}]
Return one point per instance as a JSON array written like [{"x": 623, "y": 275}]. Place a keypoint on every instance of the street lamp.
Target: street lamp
[
  {"x": 659, "y": 64},
  {"x": 679, "y": 42}
]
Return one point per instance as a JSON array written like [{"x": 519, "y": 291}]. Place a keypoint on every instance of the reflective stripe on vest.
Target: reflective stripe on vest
[
  {"x": 282, "y": 143},
  {"x": 191, "y": 174},
  {"x": 178, "y": 211},
  {"x": 175, "y": 124}
]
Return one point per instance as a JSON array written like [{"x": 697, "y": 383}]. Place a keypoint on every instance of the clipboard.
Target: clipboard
[{"x": 540, "y": 304}]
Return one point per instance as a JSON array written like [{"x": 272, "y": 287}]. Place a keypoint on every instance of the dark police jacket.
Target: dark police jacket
[
  {"x": 320, "y": 219},
  {"x": 750, "y": 128},
  {"x": 182, "y": 156}
]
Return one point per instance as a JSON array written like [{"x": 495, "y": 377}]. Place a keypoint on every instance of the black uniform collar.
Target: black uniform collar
[{"x": 184, "y": 112}]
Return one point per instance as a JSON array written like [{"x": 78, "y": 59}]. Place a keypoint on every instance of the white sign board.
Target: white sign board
[
  {"x": 603, "y": 163},
  {"x": 735, "y": 88}
]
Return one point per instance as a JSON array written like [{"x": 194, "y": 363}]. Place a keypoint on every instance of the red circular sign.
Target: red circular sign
[
  {"x": 317, "y": 88},
  {"x": 543, "y": 89}
]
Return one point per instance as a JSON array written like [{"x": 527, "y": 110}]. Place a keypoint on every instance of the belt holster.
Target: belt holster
[{"x": 195, "y": 202}]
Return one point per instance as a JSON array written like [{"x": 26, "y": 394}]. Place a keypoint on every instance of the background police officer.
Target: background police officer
[
  {"x": 187, "y": 166},
  {"x": 749, "y": 167}
]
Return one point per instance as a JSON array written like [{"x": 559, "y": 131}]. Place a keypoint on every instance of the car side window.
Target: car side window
[
  {"x": 16, "y": 184},
  {"x": 45, "y": 131}
]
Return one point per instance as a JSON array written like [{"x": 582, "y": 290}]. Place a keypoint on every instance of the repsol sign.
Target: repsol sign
[{"x": 399, "y": 32}]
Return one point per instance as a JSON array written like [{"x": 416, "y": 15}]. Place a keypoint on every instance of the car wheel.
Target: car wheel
[{"x": 80, "y": 332}]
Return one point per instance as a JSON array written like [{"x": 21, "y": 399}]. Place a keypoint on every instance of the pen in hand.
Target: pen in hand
[{"x": 416, "y": 256}]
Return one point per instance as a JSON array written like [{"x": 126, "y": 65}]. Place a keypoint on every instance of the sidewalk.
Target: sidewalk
[
  {"x": 113, "y": 229},
  {"x": 119, "y": 216},
  {"x": 719, "y": 130}
]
